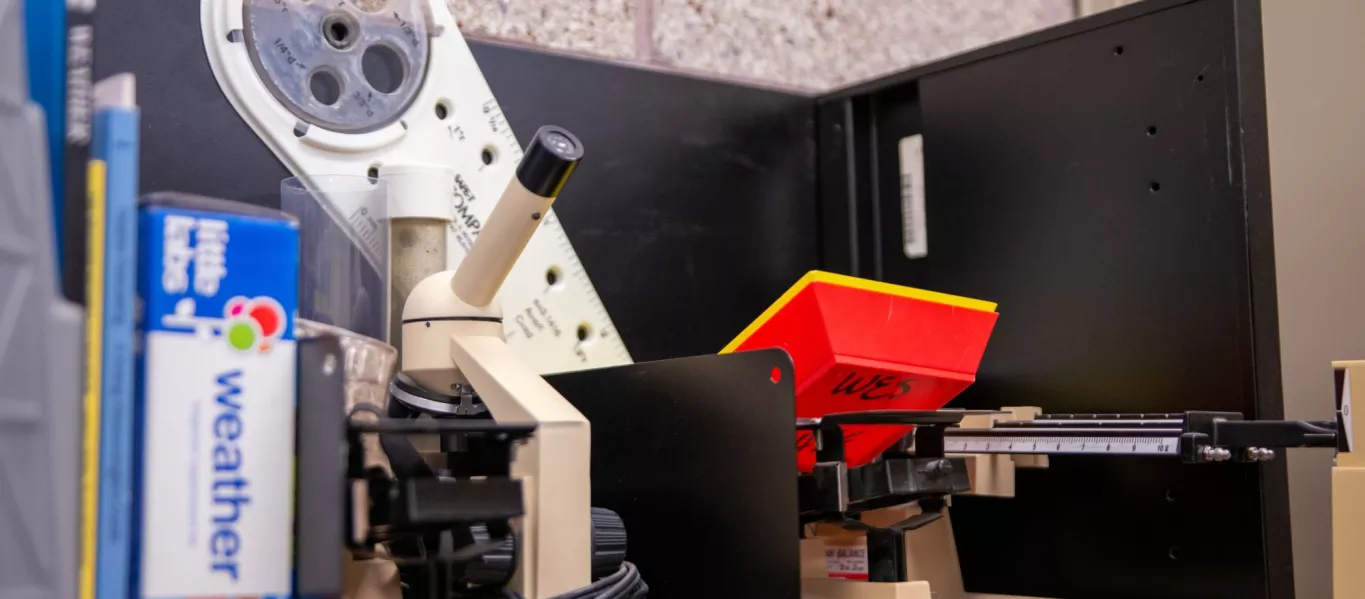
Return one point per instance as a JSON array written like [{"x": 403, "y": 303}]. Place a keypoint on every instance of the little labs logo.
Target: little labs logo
[
  {"x": 253, "y": 324},
  {"x": 248, "y": 325}
]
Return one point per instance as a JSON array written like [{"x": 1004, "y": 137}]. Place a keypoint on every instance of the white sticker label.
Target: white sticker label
[
  {"x": 915, "y": 230},
  {"x": 846, "y": 558},
  {"x": 217, "y": 422}
]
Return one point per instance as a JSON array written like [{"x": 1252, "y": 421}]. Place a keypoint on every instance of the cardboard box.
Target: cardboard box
[{"x": 219, "y": 287}]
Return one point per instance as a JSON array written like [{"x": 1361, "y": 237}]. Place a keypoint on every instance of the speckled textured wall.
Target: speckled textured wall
[
  {"x": 811, "y": 44},
  {"x": 601, "y": 27}
]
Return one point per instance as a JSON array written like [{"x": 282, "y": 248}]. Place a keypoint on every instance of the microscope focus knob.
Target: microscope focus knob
[
  {"x": 608, "y": 542},
  {"x": 608, "y": 551}
]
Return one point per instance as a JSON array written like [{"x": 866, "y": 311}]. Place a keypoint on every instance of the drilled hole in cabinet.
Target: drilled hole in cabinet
[
  {"x": 1155, "y": 186},
  {"x": 1151, "y": 131},
  {"x": 1118, "y": 50}
]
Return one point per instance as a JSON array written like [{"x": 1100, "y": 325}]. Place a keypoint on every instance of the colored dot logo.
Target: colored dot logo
[
  {"x": 252, "y": 324},
  {"x": 242, "y": 336}
]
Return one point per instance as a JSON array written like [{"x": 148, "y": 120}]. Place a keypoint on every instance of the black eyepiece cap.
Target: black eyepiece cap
[{"x": 550, "y": 158}]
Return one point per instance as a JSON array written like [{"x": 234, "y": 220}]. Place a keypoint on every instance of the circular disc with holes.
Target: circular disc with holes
[{"x": 344, "y": 65}]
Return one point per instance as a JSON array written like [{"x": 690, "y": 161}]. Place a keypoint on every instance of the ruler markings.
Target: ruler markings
[{"x": 1063, "y": 445}]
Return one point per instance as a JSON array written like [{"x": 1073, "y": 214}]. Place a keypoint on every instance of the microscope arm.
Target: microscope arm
[{"x": 553, "y": 465}]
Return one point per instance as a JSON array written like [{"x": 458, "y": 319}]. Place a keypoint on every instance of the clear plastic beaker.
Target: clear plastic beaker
[
  {"x": 343, "y": 250},
  {"x": 369, "y": 365}
]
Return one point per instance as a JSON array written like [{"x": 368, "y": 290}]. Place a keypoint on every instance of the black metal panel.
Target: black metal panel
[
  {"x": 1095, "y": 182},
  {"x": 192, "y": 139},
  {"x": 848, "y": 166},
  {"x": 696, "y": 455},
  {"x": 320, "y": 454},
  {"x": 689, "y": 186},
  {"x": 1251, "y": 137},
  {"x": 1061, "y": 30},
  {"x": 838, "y": 234}
]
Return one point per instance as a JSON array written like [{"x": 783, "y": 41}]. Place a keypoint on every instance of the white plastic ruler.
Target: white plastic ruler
[
  {"x": 1025, "y": 444},
  {"x": 345, "y": 86}
]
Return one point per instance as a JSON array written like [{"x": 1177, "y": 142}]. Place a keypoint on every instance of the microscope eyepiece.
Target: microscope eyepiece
[
  {"x": 562, "y": 145},
  {"x": 550, "y": 158}
]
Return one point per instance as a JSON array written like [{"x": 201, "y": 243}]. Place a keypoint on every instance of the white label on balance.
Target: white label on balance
[
  {"x": 846, "y": 558},
  {"x": 1063, "y": 445},
  {"x": 914, "y": 229}
]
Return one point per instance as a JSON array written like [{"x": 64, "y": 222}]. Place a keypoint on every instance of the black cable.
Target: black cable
[
  {"x": 625, "y": 583},
  {"x": 593, "y": 589},
  {"x": 624, "y": 587}
]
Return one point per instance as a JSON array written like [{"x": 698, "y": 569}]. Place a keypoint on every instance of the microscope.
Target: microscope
[{"x": 505, "y": 503}]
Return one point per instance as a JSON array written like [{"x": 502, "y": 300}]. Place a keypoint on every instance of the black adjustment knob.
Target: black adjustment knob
[
  {"x": 939, "y": 468},
  {"x": 608, "y": 551},
  {"x": 608, "y": 542},
  {"x": 495, "y": 567}
]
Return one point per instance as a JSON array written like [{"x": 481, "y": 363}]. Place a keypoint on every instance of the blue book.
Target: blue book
[
  {"x": 114, "y": 159},
  {"x": 45, "y": 33},
  {"x": 216, "y": 395},
  {"x": 60, "y": 38}
]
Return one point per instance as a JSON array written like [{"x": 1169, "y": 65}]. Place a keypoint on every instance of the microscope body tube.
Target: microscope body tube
[
  {"x": 550, "y": 159},
  {"x": 419, "y": 215},
  {"x": 500, "y": 242}
]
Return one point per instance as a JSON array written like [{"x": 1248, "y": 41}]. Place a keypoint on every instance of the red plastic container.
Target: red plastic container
[{"x": 867, "y": 345}]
